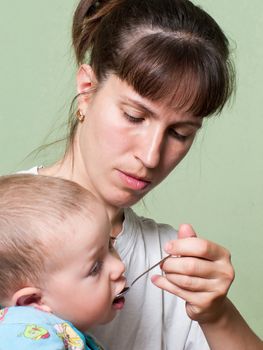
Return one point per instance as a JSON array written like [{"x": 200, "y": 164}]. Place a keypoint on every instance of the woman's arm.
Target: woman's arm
[
  {"x": 230, "y": 331},
  {"x": 200, "y": 272}
]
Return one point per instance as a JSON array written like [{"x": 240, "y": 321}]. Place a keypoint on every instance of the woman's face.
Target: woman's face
[{"x": 127, "y": 144}]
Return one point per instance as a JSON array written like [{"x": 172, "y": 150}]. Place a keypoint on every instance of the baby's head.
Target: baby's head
[{"x": 55, "y": 250}]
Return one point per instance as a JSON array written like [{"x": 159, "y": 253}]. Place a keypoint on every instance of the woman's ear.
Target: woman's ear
[
  {"x": 29, "y": 296},
  {"x": 86, "y": 82}
]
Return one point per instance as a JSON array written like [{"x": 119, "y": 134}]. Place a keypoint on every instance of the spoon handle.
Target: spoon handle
[{"x": 150, "y": 268}]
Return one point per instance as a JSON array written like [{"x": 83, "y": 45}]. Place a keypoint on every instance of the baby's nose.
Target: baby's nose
[{"x": 118, "y": 268}]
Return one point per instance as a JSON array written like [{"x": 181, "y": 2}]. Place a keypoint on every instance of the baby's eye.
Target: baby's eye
[
  {"x": 111, "y": 244},
  {"x": 112, "y": 249},
  {"x": 96, "y": 268}
]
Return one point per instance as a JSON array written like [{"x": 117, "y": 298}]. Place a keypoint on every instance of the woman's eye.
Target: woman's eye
[
  {"x": 179, "y": 136},
  {"x": 96, "y": 268},
  {"x": 133, "y": 119}
]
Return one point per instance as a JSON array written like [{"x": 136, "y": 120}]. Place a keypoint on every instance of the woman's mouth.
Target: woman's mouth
[{"x": 133, "y": 182}]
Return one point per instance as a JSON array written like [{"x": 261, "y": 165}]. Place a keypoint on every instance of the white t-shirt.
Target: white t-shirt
[{"x": 152, "y": 319}]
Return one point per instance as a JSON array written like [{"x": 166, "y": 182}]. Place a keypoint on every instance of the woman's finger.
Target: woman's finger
[
  {"x": 190, "y": 266},
  {"x": 192, "y": 284},
  {"x": 195, "y": 298},
  {"x": 197, "y": 247},
  {"x": 186, "y": 231},
  {"x": 200, "y": 306}
]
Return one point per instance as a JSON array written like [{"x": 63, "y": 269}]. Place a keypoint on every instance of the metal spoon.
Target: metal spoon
[{"x": 126, "y": 289}]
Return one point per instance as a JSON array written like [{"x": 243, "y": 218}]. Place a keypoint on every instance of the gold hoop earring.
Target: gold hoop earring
[{"x": 80, "y": 116}]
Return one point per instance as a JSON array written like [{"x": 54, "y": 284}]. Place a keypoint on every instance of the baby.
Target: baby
[{"x": 59, "y": 274}]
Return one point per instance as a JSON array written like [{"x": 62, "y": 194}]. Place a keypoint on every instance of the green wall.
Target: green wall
[{"x": 219, "y": 186}]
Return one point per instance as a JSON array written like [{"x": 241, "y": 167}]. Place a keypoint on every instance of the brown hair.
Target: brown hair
[
  {"x": 168, "y": 49},
  {"x": 33, "y": 210}
]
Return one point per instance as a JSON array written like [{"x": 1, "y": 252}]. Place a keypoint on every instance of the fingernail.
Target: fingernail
[
  {"x": 154, "y": 278},
  {"x": 168, "y": 247}
]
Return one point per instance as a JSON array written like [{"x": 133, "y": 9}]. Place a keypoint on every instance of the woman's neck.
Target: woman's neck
[{"x": 117, "y": 223}]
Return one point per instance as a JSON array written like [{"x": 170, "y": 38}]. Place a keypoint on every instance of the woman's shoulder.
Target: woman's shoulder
[
  {"x": 33, "y": 170},
  {"x": 149, "y": 225}
]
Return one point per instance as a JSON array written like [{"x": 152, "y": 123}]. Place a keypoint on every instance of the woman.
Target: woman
[{"x": 149, "y": 72}]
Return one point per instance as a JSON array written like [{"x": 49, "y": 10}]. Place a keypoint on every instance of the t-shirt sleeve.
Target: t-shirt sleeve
[{"x": 166, "y": 233}]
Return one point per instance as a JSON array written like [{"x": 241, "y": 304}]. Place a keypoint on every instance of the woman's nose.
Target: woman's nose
[{"x": 149, "y": 148}]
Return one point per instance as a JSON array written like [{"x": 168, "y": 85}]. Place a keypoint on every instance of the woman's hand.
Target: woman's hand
[{"x": 200, "y": 273}]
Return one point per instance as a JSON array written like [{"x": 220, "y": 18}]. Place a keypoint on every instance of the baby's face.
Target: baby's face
[{"x": 91, "y": 274}]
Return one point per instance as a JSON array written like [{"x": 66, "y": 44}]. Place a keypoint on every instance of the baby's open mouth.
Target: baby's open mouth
[{"x": 118, "y": 302}]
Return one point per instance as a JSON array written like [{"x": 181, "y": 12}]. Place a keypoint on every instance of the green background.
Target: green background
[{"x": 218, "y": 188}]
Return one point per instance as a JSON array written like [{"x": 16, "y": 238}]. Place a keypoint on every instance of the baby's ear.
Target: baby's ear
[{"x": 29, "y": 296}]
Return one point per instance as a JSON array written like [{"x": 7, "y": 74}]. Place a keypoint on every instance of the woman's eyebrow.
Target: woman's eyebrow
[
  {"x": 137, "y": 104},
  {"x": 196, "y": 124}
]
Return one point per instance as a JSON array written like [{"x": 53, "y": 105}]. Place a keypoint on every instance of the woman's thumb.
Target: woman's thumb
[{"x": 186, "y": 231}]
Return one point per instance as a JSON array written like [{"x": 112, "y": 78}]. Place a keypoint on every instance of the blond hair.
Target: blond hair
[{"x": 32, "y": 212}]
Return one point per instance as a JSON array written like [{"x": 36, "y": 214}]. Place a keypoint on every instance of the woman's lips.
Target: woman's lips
[{"x": 133, "y": 182}]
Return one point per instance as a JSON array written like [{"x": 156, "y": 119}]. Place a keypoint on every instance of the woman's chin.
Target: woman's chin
[{"x": 127, "y": 201}]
